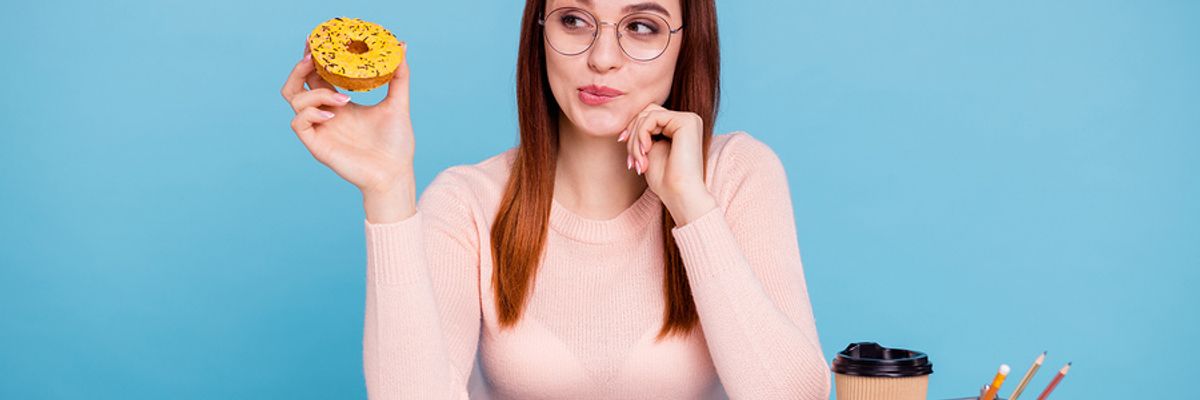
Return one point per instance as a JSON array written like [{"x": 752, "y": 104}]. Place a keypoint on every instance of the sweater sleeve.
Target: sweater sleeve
[
  {"x": 743, "y": 265},
  {"x": 422, "y": 319}
]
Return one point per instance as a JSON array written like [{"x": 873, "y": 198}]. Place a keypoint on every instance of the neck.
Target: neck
[{"x": 591, "y": 179}]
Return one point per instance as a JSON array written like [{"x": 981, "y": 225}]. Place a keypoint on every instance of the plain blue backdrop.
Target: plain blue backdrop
[{"x": 980, "y": 180}]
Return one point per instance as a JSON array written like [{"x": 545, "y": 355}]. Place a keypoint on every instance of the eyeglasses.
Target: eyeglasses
[{"x": 642, "y": 36}]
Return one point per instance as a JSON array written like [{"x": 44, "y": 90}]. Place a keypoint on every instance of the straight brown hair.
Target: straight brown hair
[{"x": 519, "y": 234}]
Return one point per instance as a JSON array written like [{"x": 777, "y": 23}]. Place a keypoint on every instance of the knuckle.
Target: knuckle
[
  {"x": 297, "y": 102},
  {"x": 310, "y": 113}
]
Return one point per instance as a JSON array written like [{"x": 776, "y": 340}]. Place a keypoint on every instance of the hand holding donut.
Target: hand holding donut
[
  {"x": 674, "y": 166},
  {"x": 370, "y": 146}
]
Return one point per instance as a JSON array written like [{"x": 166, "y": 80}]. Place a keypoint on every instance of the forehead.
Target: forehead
[{"x": 668, "y": 8}]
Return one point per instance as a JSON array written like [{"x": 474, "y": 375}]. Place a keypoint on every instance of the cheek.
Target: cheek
[
  {"x": 558, "y": 73},
  {"x": 670, "y": 60},
  {"x": 656, "y": 82}
]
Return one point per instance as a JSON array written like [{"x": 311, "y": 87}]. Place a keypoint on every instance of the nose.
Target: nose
[{"x": 605, "y": 53}]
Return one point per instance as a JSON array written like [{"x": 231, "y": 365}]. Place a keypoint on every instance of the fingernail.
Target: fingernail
[
  {"x": 326, "y": 114},
  {"x": 628, "y": 162},
  {"x": 621, "y": 137},
  {"x": 341, "y": 97},
  {"x": 307, "y": 56},
  {"x": 639, "y": 165}
]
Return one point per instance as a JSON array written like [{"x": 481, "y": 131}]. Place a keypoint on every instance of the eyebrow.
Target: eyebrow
[{"x": 647, "y": 6}]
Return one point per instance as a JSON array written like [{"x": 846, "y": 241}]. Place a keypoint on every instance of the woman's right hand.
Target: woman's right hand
[{"x": 369, "y": 146}]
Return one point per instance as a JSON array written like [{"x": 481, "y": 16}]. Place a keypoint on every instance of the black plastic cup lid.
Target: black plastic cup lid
[{"x": 871, "y": 359}]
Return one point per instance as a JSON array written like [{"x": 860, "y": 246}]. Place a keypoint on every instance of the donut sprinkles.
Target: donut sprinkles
[{"x": 354, "y": 54}]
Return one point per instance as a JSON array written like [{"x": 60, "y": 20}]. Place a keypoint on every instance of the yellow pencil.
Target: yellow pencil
[
  {"x": 1028, "y": 376},
  {"x": 999, "y": 379}
]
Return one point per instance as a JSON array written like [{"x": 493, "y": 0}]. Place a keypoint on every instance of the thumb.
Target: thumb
[{"x": 397, "y": 95}]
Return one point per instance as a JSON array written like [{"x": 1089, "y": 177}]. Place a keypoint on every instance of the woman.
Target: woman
[{"x": 573, "y": 277}]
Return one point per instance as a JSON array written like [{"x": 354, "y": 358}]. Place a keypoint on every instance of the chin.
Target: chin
[{"x": 599, "y": 122}]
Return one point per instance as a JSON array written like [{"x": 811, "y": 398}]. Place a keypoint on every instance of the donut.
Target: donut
[{"x": 353, "y": 54}]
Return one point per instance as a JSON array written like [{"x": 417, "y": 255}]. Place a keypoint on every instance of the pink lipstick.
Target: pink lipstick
[{"x": 594, "y": 95}]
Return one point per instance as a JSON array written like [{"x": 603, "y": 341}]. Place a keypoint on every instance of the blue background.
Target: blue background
[{"x": 981, "y": 180}]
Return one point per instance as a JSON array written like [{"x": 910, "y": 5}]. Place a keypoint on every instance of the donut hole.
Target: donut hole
[{"x": 357, "y": 47}]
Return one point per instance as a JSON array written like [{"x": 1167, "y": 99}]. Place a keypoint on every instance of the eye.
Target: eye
[
  {"x": 574, "y": 21},
  {"x": 642, "y": 27}
]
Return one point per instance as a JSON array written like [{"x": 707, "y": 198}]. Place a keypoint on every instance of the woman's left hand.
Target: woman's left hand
[{"x": 674, "y": 166}]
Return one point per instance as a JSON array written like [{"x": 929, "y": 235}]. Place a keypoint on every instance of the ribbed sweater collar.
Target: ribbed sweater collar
[{"x": 626, "y": 224}]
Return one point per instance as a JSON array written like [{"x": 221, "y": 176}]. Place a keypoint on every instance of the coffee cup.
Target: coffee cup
[{"x": 868, "y": 371}]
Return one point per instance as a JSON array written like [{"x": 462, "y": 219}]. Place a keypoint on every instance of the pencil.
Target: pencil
[
  {"x": 1061, "y": 373},
  {"x": 991, "y": 393},
  {"x": 1028, "y": 375}
]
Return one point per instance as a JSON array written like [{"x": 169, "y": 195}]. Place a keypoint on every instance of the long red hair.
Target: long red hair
[{"x": 519, "y": 233}]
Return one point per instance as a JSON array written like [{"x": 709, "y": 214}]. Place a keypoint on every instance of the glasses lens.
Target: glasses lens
[
  {"x": 570, "y": 31},
  {"x": 644, "y": 36}
]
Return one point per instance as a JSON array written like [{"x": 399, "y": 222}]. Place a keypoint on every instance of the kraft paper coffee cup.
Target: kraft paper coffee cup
[{"x": 868, "y": 371}]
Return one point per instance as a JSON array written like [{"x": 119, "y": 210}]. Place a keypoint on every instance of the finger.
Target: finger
[
  {"x": 661, "y": 152},
  {"x": 315, "y": 81},
  {"x": 295, "y": 81},
  {"x": 631, "y": 129},
  {"x": 629, "y": 151},
  {"x": 650, "y": 108},
  {"x": 642, "y": 136},
  {"x": 659, "y": 121},
  {"x": 647, "y": 142},
  {"x": 397, "y": 95},
  {"x": 628, "y": 128},
  {"x": 304, "y": 121},
  {"x": 630, "y": 125},
  {"x": 631, "y": 143},
  {"x": 633, "y": 151},
  {"x": 318, "y": 97},
  {"x": 646, "y": 122}
]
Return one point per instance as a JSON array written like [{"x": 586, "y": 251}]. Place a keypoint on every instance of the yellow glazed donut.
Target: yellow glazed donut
[{"x": 353, "y": 54}]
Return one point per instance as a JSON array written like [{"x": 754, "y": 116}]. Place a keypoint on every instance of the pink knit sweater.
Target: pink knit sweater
[{"x": 589, "y": 327}]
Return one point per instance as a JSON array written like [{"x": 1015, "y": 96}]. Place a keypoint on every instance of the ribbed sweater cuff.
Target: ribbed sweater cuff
[
  {"x": 708, "y": 246},
  {"x": 395, "y": 251}
]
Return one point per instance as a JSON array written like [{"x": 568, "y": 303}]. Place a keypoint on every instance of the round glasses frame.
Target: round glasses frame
[{"x": 599, "y": 26}]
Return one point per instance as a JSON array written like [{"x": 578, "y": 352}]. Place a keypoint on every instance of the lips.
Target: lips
[
  {"x": 594, "y": 95},
  {"x": 597, "y": 90}
]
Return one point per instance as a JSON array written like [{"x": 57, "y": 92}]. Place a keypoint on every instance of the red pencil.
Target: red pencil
[{"x": 1061, "y": 373}]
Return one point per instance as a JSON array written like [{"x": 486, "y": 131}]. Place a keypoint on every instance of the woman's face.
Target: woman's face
[{"x": 600, "y": 90}]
